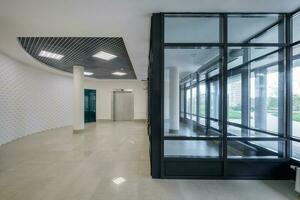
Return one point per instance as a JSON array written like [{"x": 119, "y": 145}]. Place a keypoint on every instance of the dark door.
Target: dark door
[{"x": 89, "y": 105}]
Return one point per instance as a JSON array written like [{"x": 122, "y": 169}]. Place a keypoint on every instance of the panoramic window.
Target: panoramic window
[{"x": 254, "y": 86}]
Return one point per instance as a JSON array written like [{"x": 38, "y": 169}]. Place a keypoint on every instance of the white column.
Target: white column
[
  {"x": 174, "y": 99},
  {"x": 78, "y": 99}
]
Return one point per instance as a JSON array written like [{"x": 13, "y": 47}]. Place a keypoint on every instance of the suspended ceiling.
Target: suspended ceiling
[{"x": 80, "y": 51}]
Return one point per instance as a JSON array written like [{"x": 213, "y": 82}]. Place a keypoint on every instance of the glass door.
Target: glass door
[{"x": 89, "y": 105}]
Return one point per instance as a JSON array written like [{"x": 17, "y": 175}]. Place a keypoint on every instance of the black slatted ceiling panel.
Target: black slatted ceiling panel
[{"x": 79, "y": 51}]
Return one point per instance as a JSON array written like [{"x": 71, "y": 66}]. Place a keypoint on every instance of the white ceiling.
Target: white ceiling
[{"x": 129, "y": 19}]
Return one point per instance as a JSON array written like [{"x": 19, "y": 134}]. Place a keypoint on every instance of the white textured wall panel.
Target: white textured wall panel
[{"x": 31, "y": 100}]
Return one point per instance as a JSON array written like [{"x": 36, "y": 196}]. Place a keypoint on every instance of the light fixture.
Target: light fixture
[
  {"x": 118, "y": 180},
  {"x": 119, "y": 73},
  {"x": 88, "y": 73},
  {"x": 104, "y": 55},
  {"x": 48, "y": 54}
]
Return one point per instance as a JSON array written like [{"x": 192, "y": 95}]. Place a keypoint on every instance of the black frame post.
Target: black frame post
[
  {"x": 155, "y": 92},
  {"x": 223, "y": 74}
]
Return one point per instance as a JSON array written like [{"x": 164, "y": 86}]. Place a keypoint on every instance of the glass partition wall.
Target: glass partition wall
[
  {"x": 229, "y": 91},
  {"x": 294, "y": 95}
]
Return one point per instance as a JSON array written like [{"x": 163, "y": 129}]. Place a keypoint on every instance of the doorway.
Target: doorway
[
  {"x": 89, "y": 105},
  {"x": 123, "y": 106}
]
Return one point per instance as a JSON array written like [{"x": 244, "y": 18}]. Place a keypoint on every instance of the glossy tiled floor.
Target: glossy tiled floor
[{"x": 59, "y": 165}]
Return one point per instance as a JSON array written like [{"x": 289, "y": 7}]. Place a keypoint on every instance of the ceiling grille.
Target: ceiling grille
[{"x": 80, "y": 51}]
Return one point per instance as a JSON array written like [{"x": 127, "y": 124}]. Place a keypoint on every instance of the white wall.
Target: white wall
[
  {"x": 104, "y": 96},
  {"x": 32, "y": 100}
]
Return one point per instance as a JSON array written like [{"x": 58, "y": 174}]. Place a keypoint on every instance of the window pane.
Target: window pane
[
  {"x": 194, "y": 80},
  {"x": 214, "y": 103},
  {"x": 214, "y": 124},
  {"x": 258, "y": 81},
  {"x": 186, "y": 61},
  {"x": 194, "y": 100},
  {"x": 240, "y": 55},
  {"x": 296, "y": 27},
  {"x": 264, "y": 91},
  {"x": 234, "y": 131},
  {"x": 214, "y": 99},
  {"x": 296, "y": 91},
  {"x": 202, "y": 121},
  {"x": 255, "y": 149},
  {"x": 191, "y": 148},
  {"x": 191, "y": 29},
  {"x": 234, "y": 99},
  {"x": 202, "y": 100},
  {"x": 253, "y": 28},
  {"x": 187, "y": 84},
  {"x": 214, "y": 72},
  {"x": 188, "y": 101},
  {"x": 296, "y": 150},
  {"x": 194, "y": 117},
  {"x": 189, "y": 60},
  {"x": 182, "y": 100}
]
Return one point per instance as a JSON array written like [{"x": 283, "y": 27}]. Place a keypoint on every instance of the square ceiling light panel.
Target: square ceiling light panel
[
  {"x": 48, "y": 54},
  {"x": 119, "y": 73},
  {"x": 104, "y": 55},
  {"x": 88, "y": 73}
]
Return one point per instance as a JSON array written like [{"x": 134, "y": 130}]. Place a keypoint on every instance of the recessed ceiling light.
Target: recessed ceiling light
[
  {"x": 48, "y": 54},
  {"x": 119, "y": 180},
  {"x": 88, "y": 73},
  {"x": 104, "y": 55},
  {"x": 119, "y": 73}
]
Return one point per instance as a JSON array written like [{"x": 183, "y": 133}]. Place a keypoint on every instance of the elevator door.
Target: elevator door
[
  {"x": 123, "y": 106},
  {"x": 89, "y": 105}
]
